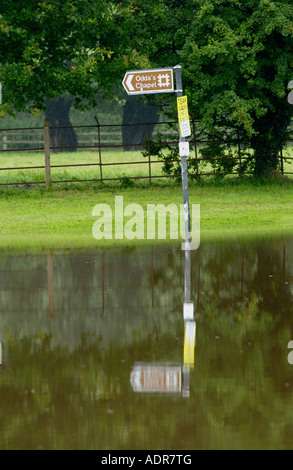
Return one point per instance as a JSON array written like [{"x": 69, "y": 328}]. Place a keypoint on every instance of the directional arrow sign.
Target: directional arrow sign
[{"x": 138, "y": 82}]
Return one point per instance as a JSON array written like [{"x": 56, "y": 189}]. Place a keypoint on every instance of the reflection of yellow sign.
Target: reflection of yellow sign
[
  {"x": 183, "y": 116},
  {"x": 189, "y": 343}
]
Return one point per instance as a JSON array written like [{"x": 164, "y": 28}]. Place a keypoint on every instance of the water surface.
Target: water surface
[{"x": 96, "y": 352}]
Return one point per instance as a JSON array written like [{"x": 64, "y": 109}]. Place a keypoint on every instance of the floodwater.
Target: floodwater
[{"x": 146, "y": 348}]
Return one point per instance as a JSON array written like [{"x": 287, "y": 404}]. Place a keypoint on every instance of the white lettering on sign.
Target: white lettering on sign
[
  {"x": 142, "y": 86},
  {"x": 142, "y": 78}
]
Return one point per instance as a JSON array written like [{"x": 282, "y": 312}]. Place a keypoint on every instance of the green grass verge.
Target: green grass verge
[{"x": 60, "y": 218}]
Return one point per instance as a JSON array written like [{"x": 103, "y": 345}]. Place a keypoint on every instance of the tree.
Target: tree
[
  {"x": 236, "y": 59},
  {"x": 138, "y": 111},
  {"x": 242, "y": 55},
  {"x": 48, "y": 48},
  {"x": 52, "y": 50},
  {"x": 62, "y": 134},
  {"x": 147, "y": 42}
]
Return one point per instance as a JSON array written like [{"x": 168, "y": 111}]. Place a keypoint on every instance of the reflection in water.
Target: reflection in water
[
  {"x": 81, "y": 334},
  {"x": 50, "y": 285},
  {"x": 189, "y": 326},
  {"x": 290, "y": 355},
  {"x": 158, "y": 378},
  {"x": 166, "y": 378}
]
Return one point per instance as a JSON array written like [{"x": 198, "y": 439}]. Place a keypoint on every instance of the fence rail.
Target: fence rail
[{"x": 99, "y": 139}]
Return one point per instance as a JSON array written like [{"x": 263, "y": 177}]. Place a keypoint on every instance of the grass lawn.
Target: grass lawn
[
  {"x": 34, "y": 218},
  {"x": 59, "y": 218}
]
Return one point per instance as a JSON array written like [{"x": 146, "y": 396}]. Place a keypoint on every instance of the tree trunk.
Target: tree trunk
[
  {"x": 137, "y": 112},
  {"x": 271, "y": 137},
  {"x": 62, "y": 134}
]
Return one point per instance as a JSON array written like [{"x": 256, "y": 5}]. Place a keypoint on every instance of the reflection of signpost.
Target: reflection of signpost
[
  {"x": 156, "y": 378},
  {"x": 189, "y": 327},
  {"x": 164, "y": 377},
  {"x": 189, "y": 343}
]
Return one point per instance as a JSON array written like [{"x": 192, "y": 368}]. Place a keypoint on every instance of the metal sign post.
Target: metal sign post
[
  {"x": 184, "y": 131},
  {"x": 138, "y": 82},
  {"x": 151, "y": 377}
]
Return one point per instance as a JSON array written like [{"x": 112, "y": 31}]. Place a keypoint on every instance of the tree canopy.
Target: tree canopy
[
  {"x": 239, "y": 59},
  {"x": 51, "y": 47},
  {"x": 236, "y": 58}
]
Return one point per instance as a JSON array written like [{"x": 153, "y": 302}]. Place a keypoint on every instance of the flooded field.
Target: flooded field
[{"x": 116, "y": 349}]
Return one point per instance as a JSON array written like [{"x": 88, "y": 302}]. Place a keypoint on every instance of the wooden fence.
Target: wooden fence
[{"x": 100, "y": 138}]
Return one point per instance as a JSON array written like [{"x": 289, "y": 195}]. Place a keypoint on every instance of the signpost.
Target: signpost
[
  {"x": 139, "y": 82},
  {"x": 154, "y": 377}
]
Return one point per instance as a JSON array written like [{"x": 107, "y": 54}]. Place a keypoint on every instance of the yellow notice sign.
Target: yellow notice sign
[{"x": 183, "y": 117}]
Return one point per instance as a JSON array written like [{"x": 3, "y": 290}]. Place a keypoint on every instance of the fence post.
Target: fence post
[
  {"x": 239, "y": 151},
  {"x": 149, "y": 153},
  {"x": 47, "y": 152},
  {"x": 282, "y": 162},
  {"x": 99, "y": 145},
  {"x": 4, "y": 141}
]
